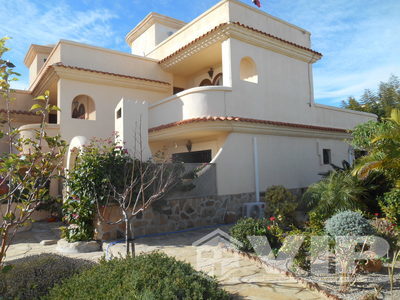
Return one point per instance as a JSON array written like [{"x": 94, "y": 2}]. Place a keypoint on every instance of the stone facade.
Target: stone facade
[{"x": 175, "y": 214}]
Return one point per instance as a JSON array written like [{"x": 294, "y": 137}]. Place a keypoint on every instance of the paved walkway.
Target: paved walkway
[{"x": 240, "y": 276}]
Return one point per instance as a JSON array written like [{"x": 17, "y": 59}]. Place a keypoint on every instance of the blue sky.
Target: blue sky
[{"x": 359, "y": 38}]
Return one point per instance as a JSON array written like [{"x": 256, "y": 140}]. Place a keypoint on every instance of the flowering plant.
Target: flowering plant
[{"x": 100, "y": 162}]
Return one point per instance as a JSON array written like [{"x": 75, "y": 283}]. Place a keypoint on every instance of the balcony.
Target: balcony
[
  {"x": 192, "y": 103},
  {"x": 30, "y": 130}
]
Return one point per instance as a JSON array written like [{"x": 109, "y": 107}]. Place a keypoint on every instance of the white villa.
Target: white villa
[{"x": 232, "y": 87}]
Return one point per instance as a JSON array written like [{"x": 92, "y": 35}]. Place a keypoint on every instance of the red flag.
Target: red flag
[{"x": 257, "y": 2}]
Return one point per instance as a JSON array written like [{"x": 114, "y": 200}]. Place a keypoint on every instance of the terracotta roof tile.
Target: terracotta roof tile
[
  {"x": 59, "y": 64},
  {"x": 246, "y": 120},
  {"x": 19, "y": 112},
  {"x": 192, "y": 42},
  {"x": 242, "y": 25}
]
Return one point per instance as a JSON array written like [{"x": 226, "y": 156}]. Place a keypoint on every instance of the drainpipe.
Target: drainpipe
[{"x": 256, "y": 171}]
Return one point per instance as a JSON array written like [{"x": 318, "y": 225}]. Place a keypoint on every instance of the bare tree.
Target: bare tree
[{"x": 147, "y": 182}]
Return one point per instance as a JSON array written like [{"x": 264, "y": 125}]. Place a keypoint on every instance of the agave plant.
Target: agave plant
[{"x": 384, "y": 155}]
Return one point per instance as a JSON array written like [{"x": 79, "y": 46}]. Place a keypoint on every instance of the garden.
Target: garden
[{"x": 349, "y": 245}]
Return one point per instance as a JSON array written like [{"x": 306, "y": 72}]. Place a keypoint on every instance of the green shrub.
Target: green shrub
[
  {"x": 147, "y": 276},
  {"x": 31, "y": 277},
  {"x": 348, "y": 223},
  {"x": 255, "y": 227},
  {"x": 386, "y": 229},
  {"x": 100, "y": 163},
  {"x": 280, "y": 202},
  {"x": 338, "y": 192},
  {"x": 390, "y": 205}
]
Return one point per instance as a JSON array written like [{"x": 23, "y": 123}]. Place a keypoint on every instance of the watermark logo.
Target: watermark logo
[
  {"x": 211, "y": 257},
  {"x": 328, "y": 259}
]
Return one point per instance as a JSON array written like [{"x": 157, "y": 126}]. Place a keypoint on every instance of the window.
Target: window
[
  {"x": 52, "y": 118},
  {"x": 248, "y": 70},
  {"x": 359, "y": 153},
  {"x": 83, "y": 107},
  {"x": 119, "y": 113},
  {"x": 177, "y": 90},
  {"x": 218, "y": 79},
  {"x": 192, "y": 157},
  {"x": 205, "y": 82},
  {"x": 326, "y": 156}
]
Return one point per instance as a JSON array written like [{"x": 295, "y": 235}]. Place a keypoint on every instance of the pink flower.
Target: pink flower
[
  {"x": 269, "y": 227},
  {"x": 75, "y": 216},
  {"x": 376, "y": 214},
  {"x": 272, "y": 219}
]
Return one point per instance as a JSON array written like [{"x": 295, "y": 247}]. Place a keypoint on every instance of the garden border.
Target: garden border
[{"x": 313, "y": 286}]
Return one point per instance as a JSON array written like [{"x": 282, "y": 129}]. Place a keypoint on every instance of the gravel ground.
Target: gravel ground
[{"x": 364, "y": 283}]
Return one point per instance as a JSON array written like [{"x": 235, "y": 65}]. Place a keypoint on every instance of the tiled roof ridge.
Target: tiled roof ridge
[
  {"x": 60, "y": 64},
  {"x": 246, "y": 120},
  {"x": 242, "y": 25},
  {"x": 19, "y": 112}
]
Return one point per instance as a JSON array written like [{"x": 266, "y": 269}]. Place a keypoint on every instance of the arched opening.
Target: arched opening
[
  {"x": 218, "y": 79},
  {"x": 205, "y": 82},
  {"x": 83, "y": 107},
  {"x": 248, "y": 70}
]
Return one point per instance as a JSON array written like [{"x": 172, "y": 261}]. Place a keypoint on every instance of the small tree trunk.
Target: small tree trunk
[
  {"x": 133, "y": 239},
  {"x": 127, "y": 232},
  {"x": 4, "y": 237}
]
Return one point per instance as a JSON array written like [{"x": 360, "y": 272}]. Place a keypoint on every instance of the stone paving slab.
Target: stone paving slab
[{"x": 238, "y": 275}]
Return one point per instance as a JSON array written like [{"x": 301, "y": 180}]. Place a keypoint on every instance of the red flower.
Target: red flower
[
  {"x": 269, "y": 227},
  {"x": 272, "y": 219},
  {"x": 376, "y": 214}
]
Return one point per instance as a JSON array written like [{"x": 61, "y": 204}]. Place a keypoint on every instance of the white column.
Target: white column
[{"x": 227, "y": 62}]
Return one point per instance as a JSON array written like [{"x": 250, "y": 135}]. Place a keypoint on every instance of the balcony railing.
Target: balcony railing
[{"x": 192, "y": 103}]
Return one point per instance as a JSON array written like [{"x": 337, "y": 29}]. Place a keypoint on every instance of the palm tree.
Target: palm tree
[
  {"x": 384, "y": 155},
  {"x": 338, "y": 192}
]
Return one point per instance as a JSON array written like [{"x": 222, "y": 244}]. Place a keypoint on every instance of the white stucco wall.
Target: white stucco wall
[
  {"x": 96, "y": 58},
  {"x": 105, "y": 97},
  {"x": 293, "y": 162},
  {"x": 131, "y": 126},
  {"x": 256, "y": 18}
]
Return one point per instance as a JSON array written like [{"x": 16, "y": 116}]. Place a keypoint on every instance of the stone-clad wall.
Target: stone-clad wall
[{"x": 176, "y": 214}]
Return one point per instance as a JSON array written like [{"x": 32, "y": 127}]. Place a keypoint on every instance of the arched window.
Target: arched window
[
  {"x": 83, "y": 107},
  {"x": 248, "y": 70},
  {"x": 205, "y": 82},
  {"x": 218, "y": 79}
]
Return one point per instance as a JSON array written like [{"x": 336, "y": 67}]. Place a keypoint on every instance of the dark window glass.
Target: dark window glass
[
  {"x": 177, "y": 90},
  {"x": 119, "y": 113},
  {"x": 192, "y": 157},
  {"x": 326, "y": 153},
  {"x": 359, "y": 153},
  {"x": 217, "y": 79},
  {"x": 206, "y": 82},
  {"x": 53, "y": 118}
]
